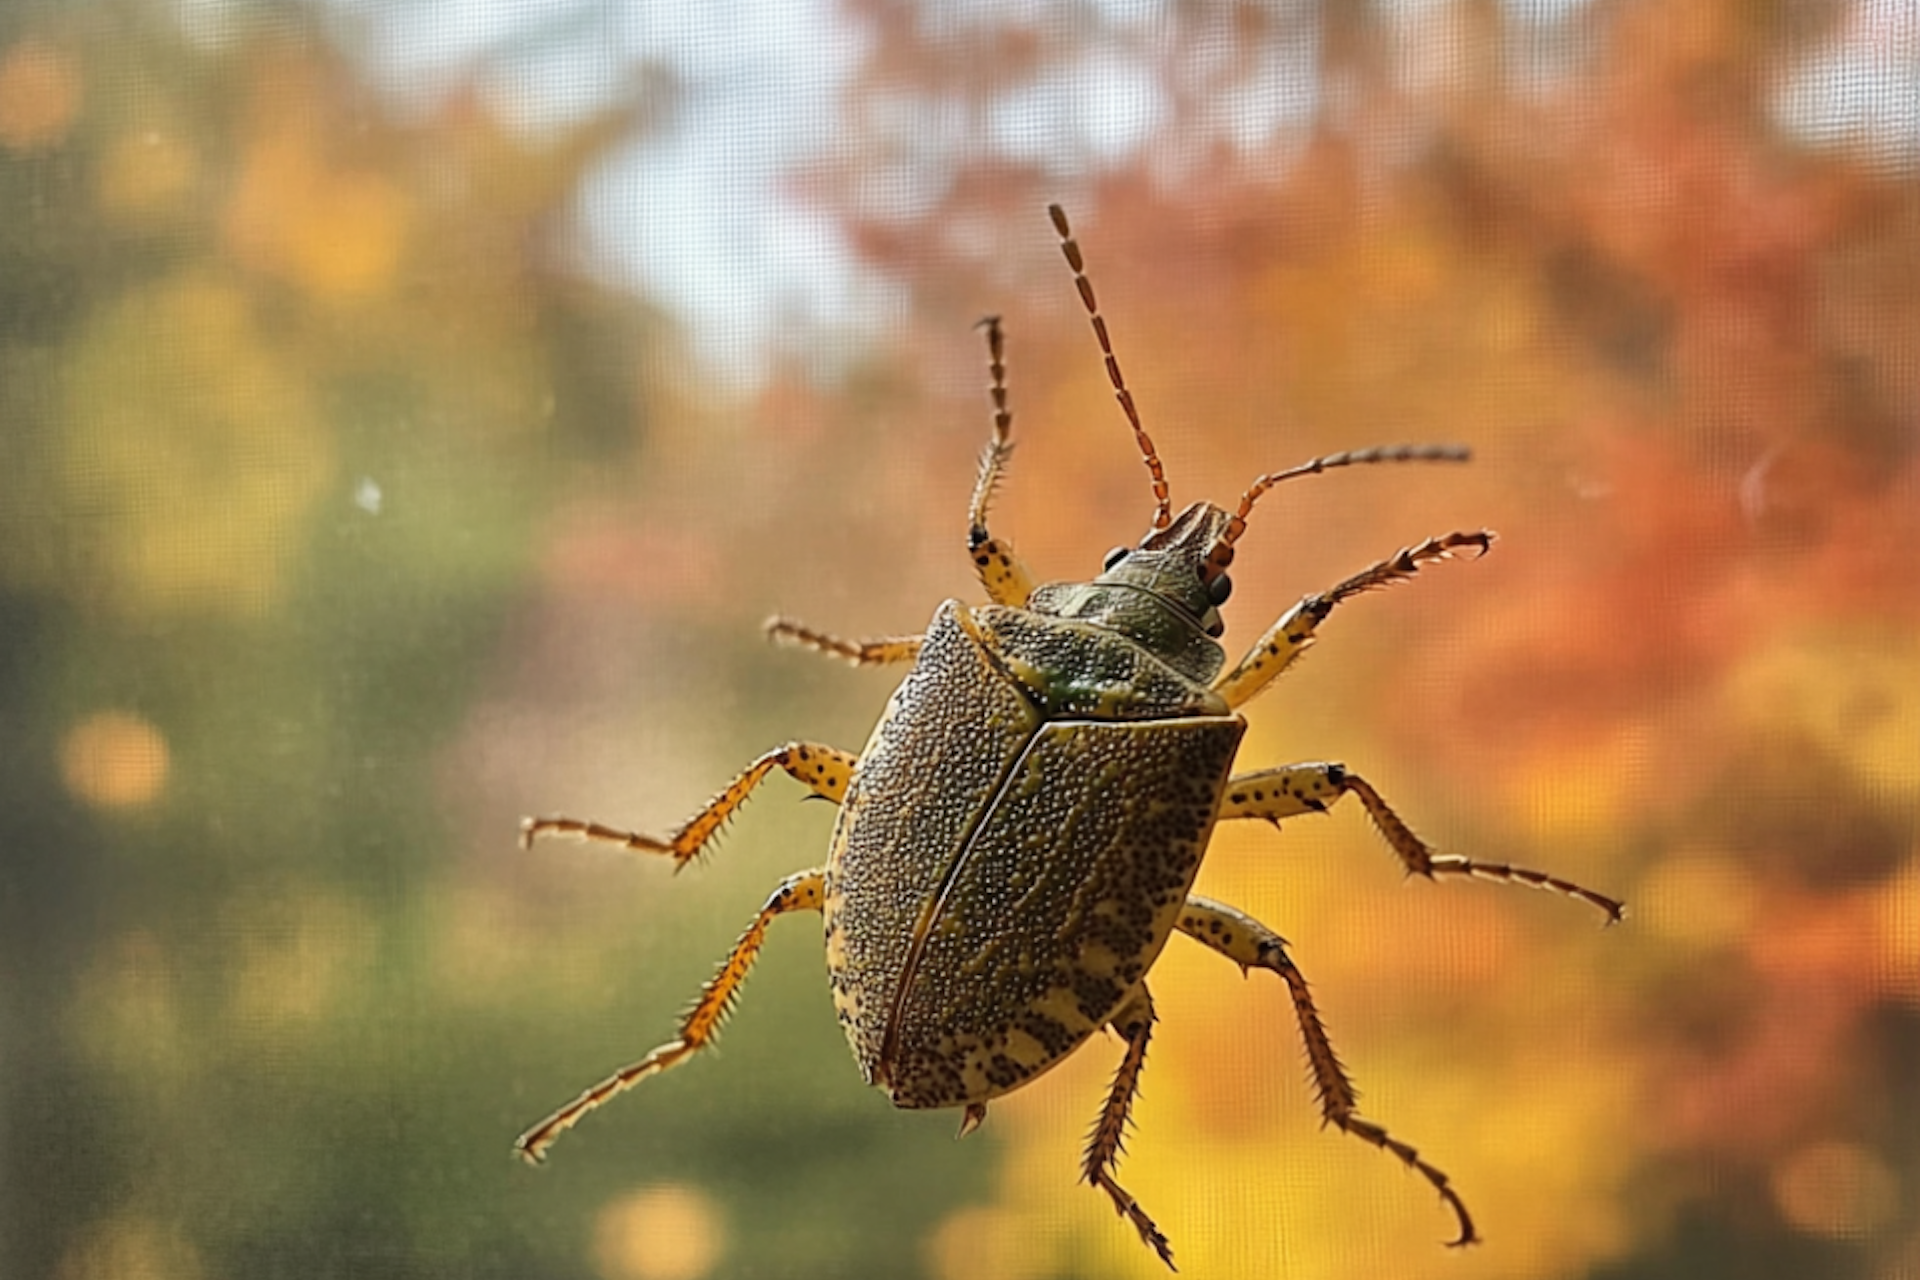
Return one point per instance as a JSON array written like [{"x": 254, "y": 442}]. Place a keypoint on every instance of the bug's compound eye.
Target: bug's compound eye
[
  {"x": 1219, "y": 589},
  {"x": 1216, "y": 628},
  {"x": 1115, "y": 556}
]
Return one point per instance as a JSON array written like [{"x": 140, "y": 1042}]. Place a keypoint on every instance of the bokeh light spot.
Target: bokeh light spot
[
  {"x": 114, "y": 760},
  {"x": 665, "y": 1232},
  {"x": 297, "y": 957},
  {"x": 1834, "y": 1189},
  {"x": 131, "y": 1248},
  {"x": 39, "y": 96},
  {"x": 980, "y": 1241},
  {"x": 1900, "y": 934},
  {"x": 338, "y": 233}
]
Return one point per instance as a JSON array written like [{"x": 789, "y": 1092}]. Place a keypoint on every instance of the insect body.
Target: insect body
[{"x": 1020, "y": 836}]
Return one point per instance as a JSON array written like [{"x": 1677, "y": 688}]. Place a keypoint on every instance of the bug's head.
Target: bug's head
[
  {"x": 1170, "y": 566},
  {"x": 1166, "y": 593},
  {"x": 1157, "y": 593}
]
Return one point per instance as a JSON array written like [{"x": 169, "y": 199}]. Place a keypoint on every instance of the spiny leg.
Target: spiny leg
[
  {"x": 1134, "y": 1022},
  {"x": 1163, "y": 501},
  {"x": 861, "y": 653},
  {"x": 1288, "y": 638},
  {"x": 1251, "y": 945},
  {"x": 1001, "y": 572},
  {"x": 801, "y": 891},
  {"x": 826, "y": 770},
  {"x": 1294, "y": 789}
]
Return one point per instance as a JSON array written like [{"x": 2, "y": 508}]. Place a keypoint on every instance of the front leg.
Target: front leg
[
  {"x": 878, "y": 652},
  {"x": 1006, "y": 579},
  {"x": 826, "y": 770},
  {"x": 1288, "y": 638},
  {"x": 1295, "y": 789}
]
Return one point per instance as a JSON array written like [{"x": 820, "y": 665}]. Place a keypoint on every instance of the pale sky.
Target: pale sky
[{"x": 699, "y": 218}]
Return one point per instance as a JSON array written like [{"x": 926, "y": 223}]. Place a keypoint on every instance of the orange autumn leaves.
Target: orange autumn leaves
[{"x": 1680, "y": 342}]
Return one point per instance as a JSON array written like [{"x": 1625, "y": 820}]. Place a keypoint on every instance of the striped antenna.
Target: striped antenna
[
  {"x": 1221, "y": 554},
  {"x": 1163, "y": 511},
  {"x": 994, "y": 460}
]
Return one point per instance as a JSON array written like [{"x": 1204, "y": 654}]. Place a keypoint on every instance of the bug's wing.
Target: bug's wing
[
  {"x": 1060, "y": 902},
  {"x": 952, "y": 731}
]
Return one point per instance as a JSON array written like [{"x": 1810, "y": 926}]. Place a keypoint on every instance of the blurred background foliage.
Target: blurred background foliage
[{"x": 352, "y": 508}]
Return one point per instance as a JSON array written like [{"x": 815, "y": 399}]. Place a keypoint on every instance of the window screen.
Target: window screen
[{"x": 413, "y": 410}]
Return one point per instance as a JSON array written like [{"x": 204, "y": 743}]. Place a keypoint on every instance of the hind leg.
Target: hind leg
[
  {"x": 1134, "y": 1022},
  {"x": 1251, "y": 945},
  {"x": 801, "y": 891}
]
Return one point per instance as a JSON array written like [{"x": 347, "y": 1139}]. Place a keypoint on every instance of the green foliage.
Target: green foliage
[{"x": 286, "y": 416}]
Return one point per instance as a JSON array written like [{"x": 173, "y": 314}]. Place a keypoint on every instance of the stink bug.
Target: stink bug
[{"x": 1020, "y": 835}]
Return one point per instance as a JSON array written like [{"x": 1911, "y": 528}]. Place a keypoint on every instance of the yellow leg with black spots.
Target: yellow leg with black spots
[
  {"x": 826, "y": 770},
  {"x": 1295, "y": 789},
  {"x": 1288, "y": 638},
  {"x": 1285, "y": 792},
  {"x": 1251, "y": 945},
  {"x": 801, "y": 891},
  {"x": 861, "y": 653},
  {"x": 1134, "y": 1022},
  {"x": 1001, "y": 572}
]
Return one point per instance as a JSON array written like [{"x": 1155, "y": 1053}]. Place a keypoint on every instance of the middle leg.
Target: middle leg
[
  {"x": 1293, "y": 634},
  {"x": 1295, "y": 789},
  {"x": 827, "y": 770}
]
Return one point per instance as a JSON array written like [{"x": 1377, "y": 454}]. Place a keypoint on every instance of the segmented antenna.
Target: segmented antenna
[
  {"x": 994, "y": 459},
  {"x": 1163, "y": 511},
  {"x": 1221, "y": 553}
]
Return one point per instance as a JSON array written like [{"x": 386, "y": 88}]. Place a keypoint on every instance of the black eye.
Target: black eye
[
  {"x": 1219, "y": 589},
  {"x": 1115, "y": 556},
  {"x": 1217, "y": 629}
]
